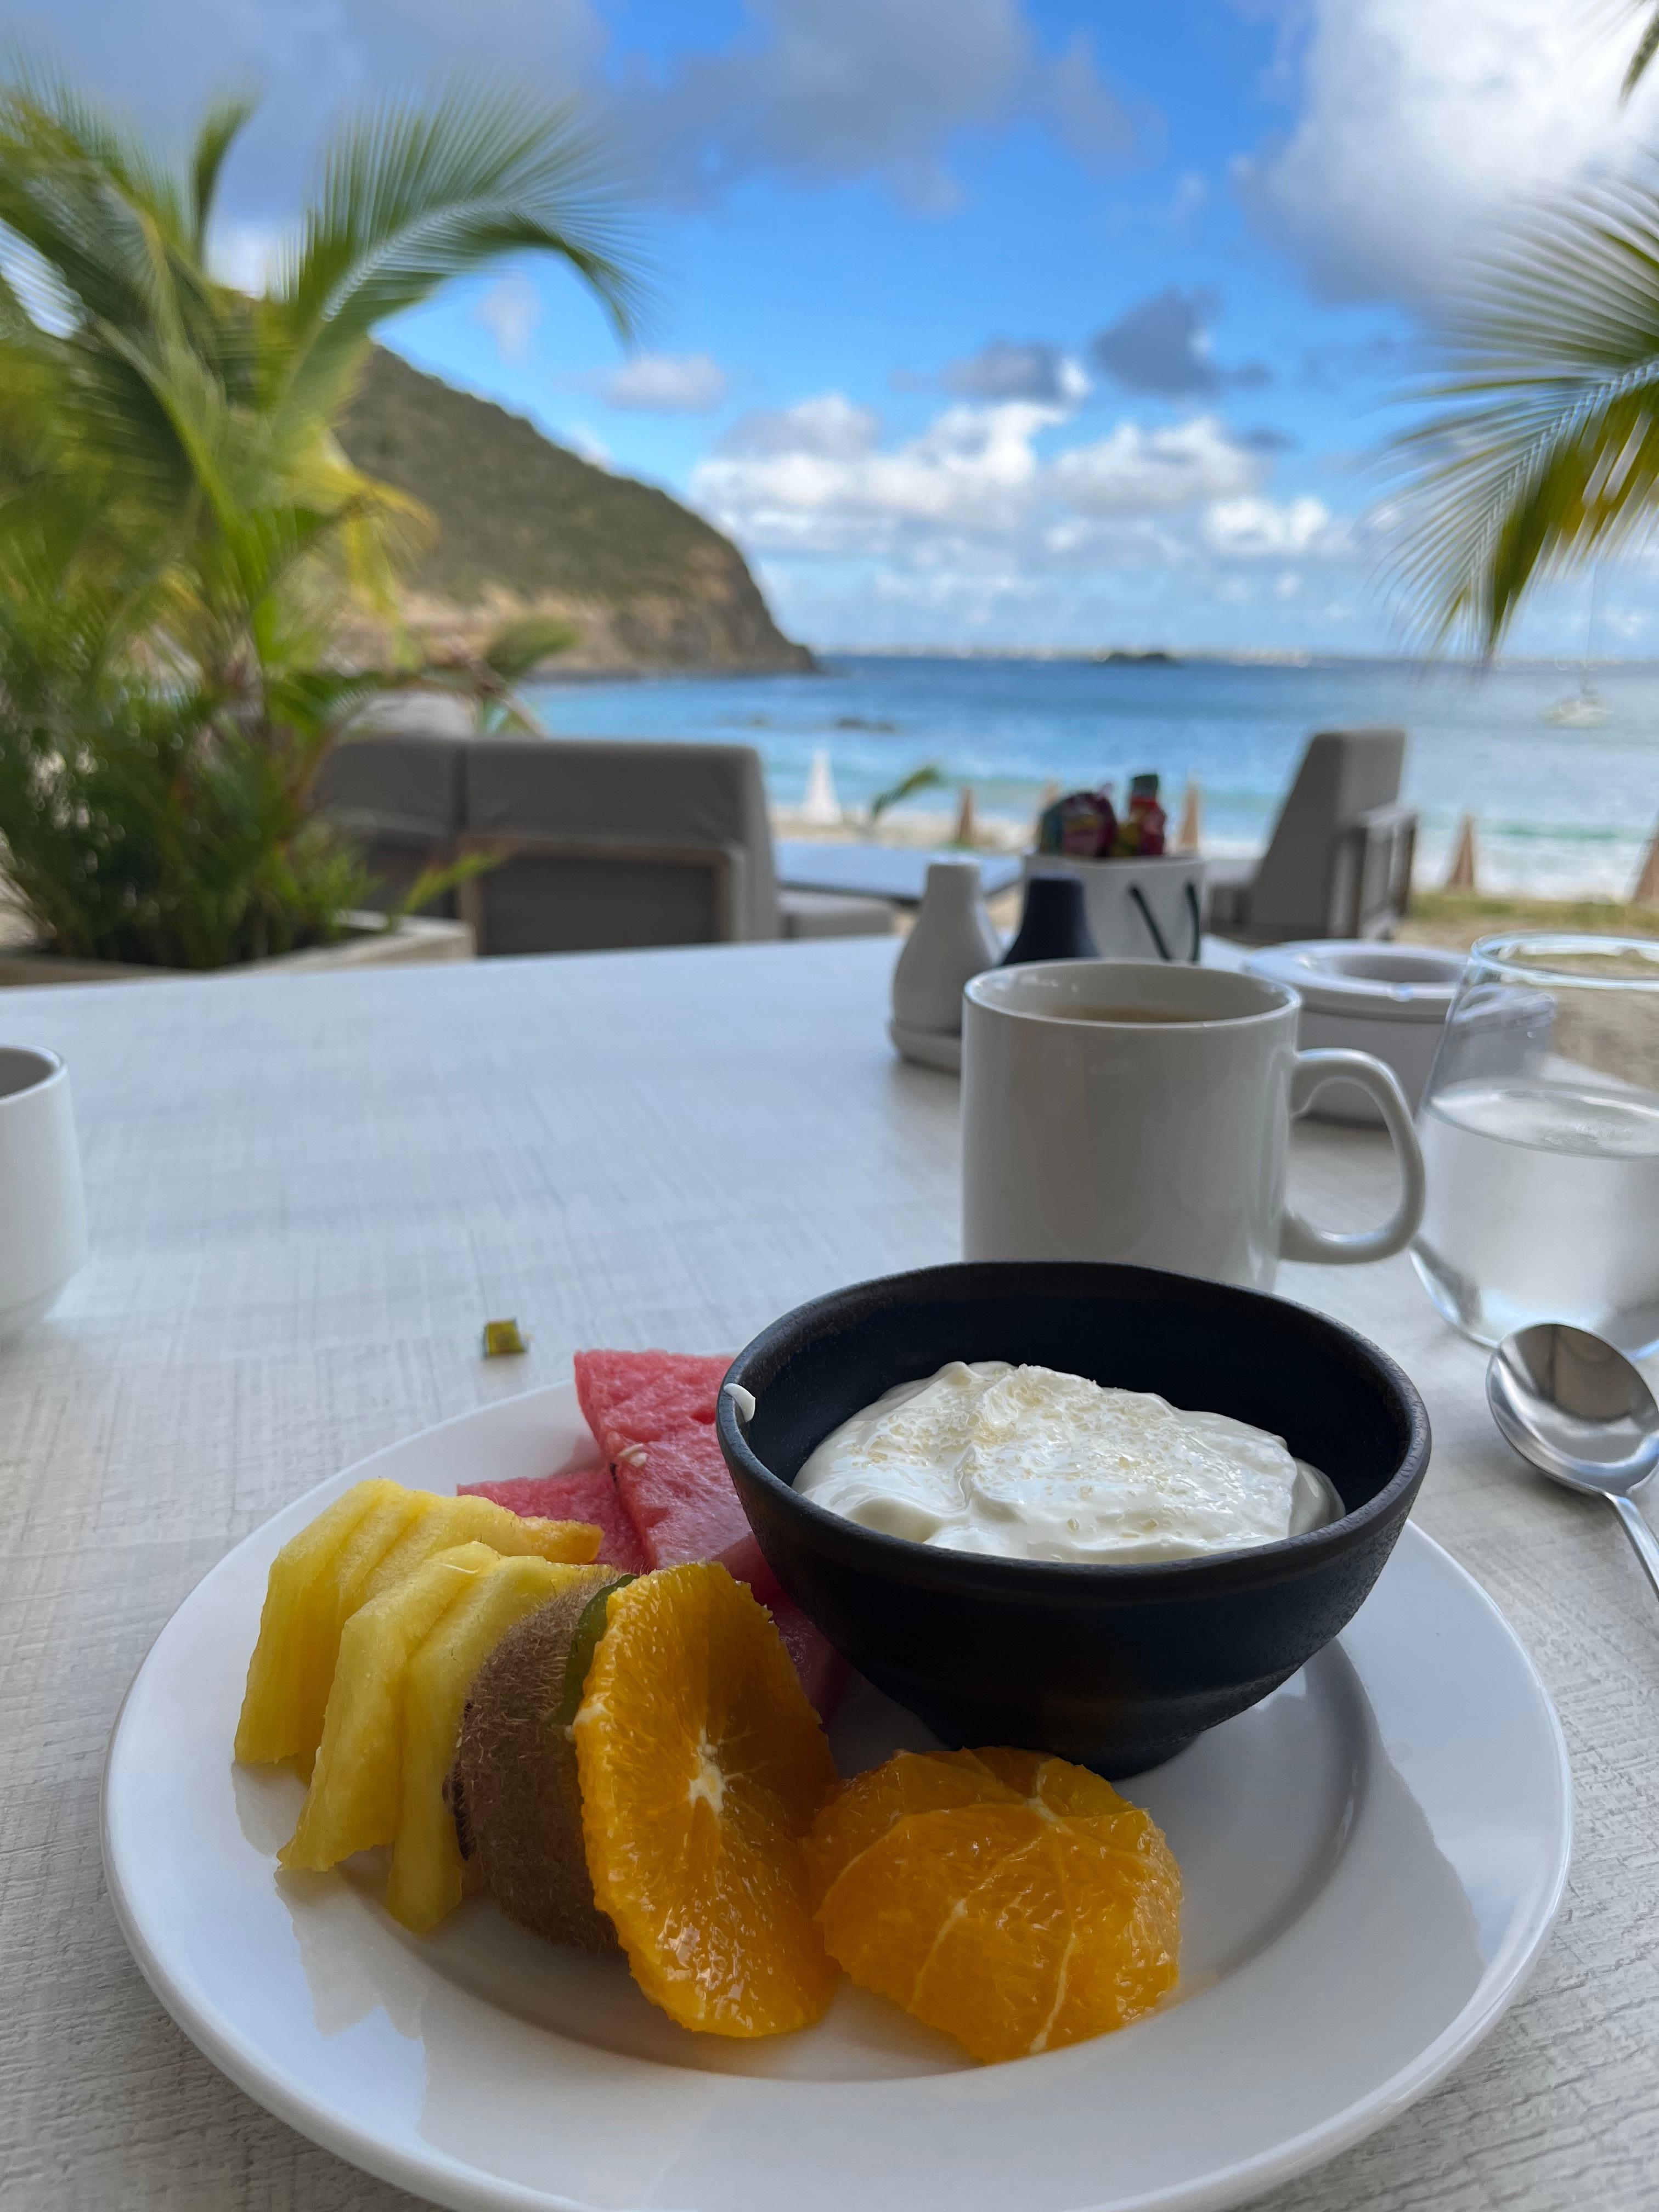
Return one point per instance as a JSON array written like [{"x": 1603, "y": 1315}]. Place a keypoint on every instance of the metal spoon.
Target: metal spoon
[{"x": 1581, "y": 1414}]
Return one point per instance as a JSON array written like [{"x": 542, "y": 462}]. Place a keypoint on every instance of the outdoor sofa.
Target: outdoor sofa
[{"x": 597, "y": 844}]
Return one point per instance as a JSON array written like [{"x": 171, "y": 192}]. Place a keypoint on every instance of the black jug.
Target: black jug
[{"x": 1054, "y": 925}]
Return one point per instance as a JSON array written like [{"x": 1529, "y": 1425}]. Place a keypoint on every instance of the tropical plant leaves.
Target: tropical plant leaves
[
  {"x": 409, "y": 198},
  {"x": 181, "y": 531},
  {"x": 930, "y": 777},
  {"x": 219, "y": 131},
  {"x": 1544, "y": 448},
  {"x": 1646, "y": 47},
  {"x": 198, "y": 401}
]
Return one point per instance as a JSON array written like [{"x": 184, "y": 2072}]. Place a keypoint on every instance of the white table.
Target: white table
[
  {"x": 307, "y": 1194},
  {"x": 899, "y": 873}
]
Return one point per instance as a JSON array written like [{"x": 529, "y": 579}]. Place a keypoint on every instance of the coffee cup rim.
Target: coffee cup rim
[
  {"x": 51, "y": 1072},
  {"x": 992, "y": 993}
]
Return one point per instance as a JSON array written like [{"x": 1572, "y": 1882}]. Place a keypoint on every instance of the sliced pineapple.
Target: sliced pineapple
[
  {"x": 270, "y": 1727},
  {"x": 364, "y": 1544},
  {"x": 336, "y": 1590},
  {"x": 356, "y": 1785},
  {"x": 451, "y": 1521},
  {"x": 427, "y": 1878}
]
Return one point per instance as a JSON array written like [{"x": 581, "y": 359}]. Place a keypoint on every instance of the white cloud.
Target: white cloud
[
  {"x": 974, "y": 493},
  {"x": 978, "y": 527},
  {"x": 821, "y": 90},
  {"x": 164, "y": 59},
  {"x": 1011, "y": 601},
  {"x": 1421, "y": 121},
  {"x": 829, "y": 425},
  {"x": 1135, "y": 470},
  {"x": 667, "y": 383},
  {"x": 1009, "y": 369},
  {"x": 1254, "y": 528},
  {"x": 818, "y": 472},
  {"x": 510, "y": 311}
]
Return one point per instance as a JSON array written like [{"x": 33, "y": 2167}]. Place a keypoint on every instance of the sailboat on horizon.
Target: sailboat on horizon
[{"x": 1585, "y": 709}]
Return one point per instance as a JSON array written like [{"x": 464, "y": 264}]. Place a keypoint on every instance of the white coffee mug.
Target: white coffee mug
[
  {"x": 43, "y": 1215},
  {"x": 1120, "y": 1109}
]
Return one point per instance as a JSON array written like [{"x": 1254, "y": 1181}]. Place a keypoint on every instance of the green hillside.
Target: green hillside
[{"x": 524, "y": 521}]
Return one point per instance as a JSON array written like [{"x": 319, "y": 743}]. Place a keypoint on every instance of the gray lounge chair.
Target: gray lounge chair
[
  {"x": 403, "y": 796},
  {"x": 599, "y": 843},
  {"x": 1339, "y": 863}
]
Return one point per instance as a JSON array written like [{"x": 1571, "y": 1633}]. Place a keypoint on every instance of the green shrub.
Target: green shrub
[{"x": 181, "y": 531}]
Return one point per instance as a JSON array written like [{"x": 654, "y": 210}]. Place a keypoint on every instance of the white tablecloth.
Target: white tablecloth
[{"x": 307, "y": 1194}]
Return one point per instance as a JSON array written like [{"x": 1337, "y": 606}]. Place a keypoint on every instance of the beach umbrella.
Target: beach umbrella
[{"x": 1465, "y": 860}]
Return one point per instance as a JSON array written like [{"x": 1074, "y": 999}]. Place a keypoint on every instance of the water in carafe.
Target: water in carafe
[{"x": 1543, "y": 1205}]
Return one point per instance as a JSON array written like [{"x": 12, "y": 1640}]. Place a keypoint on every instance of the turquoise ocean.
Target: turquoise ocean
[{"x": 1560, "y": 811}]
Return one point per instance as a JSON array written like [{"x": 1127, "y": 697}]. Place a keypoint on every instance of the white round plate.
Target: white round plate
[{"x": 1372, "y": 1856}]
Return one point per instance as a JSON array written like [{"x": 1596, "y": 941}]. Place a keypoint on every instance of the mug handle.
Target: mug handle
[{"x": 1301, "y": 1240}]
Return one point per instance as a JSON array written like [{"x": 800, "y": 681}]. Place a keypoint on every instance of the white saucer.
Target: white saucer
[
  {"x": 928, "y": 1048},
  {"x": 1372, "y": 1858}
]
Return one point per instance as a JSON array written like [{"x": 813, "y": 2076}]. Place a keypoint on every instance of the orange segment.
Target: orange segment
[
  {"x": 702, "y": 1765},
  {"x": 1017, "y": 1902},
  {"x": 862, "y": 1811}
]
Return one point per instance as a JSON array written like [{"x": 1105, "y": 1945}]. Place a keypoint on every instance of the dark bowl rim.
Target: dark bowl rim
[{"x": 1212, "y": 1575}]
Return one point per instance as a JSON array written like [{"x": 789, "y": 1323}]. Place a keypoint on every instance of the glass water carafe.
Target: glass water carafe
[{"x": 1540, "y": 1126}]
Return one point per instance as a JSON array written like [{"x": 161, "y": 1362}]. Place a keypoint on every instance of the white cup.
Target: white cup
[
  {"x": 43, "y": 1214},
  {"x": 1161, "y": 1143}
]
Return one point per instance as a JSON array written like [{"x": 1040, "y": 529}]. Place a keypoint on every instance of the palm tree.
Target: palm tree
[
  {"x": 184, "y": 405},
  {"x": 179, "y": 528},
  {"x": 1545, "y": 451}
]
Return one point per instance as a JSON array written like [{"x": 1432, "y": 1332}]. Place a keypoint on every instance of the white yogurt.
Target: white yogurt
[{"x": 1027, "y": 1464}]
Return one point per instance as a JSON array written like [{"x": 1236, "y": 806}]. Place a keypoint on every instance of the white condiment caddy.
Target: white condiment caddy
[{"x": 1140, "y": 908}]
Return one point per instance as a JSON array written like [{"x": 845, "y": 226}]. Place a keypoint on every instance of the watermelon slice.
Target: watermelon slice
[
  {"x": 745, "y": 1562},
  {"x": 669, "y": 1497},
  {"x": 680, "y": 1498},
  {"x": 822, "y": 1669},
  {"x": 638, "y": 1397},
  {"x": 590, "y": 1495}
]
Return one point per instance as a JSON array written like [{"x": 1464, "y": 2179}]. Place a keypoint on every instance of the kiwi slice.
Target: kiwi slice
[
  {"x": 584, "y": 1643},
  {"x": 513, "y": 1789}
]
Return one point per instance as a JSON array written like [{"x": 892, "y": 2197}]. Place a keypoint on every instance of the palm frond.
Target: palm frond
[
  {"x": 89, "y": 131},
  {"x": 221, "y": 127},
  {"x": 1646, "y": 47},
  {"x": 519, "y": 648},
  {"x": 411, "y": 196},
  {"x": 1545, "y": 451},
  {"x": 435, "y": 883},
  {"x": 92, "y": 241},
  {"x": 930, "y": 777}
]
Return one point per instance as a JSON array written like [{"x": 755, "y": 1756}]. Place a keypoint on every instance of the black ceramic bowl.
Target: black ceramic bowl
[{"x": 1119, "y": 1667}]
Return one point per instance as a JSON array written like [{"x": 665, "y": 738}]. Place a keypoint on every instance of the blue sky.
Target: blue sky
[{"x": 1016, "y": 322}]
